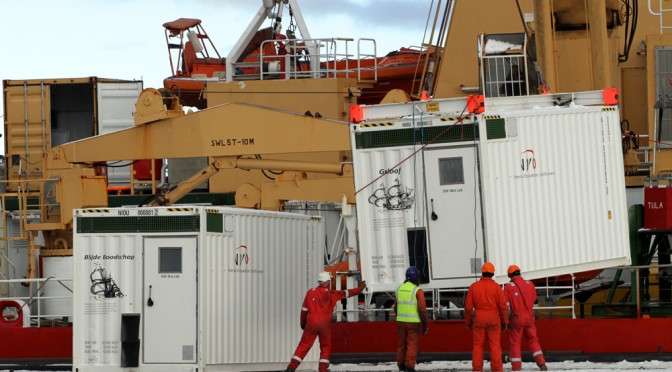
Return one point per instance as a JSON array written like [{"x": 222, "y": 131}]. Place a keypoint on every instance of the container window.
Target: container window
[
  {"x": 451, "y": 171},
  {"x": 170, "y": 260}
]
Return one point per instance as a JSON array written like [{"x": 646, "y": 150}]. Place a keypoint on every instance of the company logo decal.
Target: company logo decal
[
  {"x": 241, "y": 262},
  {"x": 102, "y": 284},
  {"x": 393, "y": 198},
  {"x": 241, "y": 257},
  {"x": 528, "y": 161},
  {"x": 528, "y": 166}
]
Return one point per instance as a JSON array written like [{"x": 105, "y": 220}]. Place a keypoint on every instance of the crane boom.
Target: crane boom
[{"x": 234, "y": 129}]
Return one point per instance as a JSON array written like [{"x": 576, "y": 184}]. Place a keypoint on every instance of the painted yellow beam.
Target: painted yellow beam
[{"x": 228, "y": 130}]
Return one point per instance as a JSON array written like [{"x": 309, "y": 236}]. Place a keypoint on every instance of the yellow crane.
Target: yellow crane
[{"x": 234, "y": 135}]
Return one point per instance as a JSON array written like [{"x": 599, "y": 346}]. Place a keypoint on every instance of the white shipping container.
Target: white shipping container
[
  {"x": 191, "y": 288},
  {"x": 526, "y": 183},
  {"x": 554, "y": 191}
]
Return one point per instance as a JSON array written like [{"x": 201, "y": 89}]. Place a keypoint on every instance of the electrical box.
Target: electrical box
[{"x": 658, "y": 208}]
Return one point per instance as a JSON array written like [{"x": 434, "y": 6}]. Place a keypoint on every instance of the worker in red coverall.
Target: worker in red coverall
[
  {"x": 485, "y": 314},
  {"x": 521, "y": 295},
  {"x": 316, "y": 314},
  {"x": 411, "y": 311}
]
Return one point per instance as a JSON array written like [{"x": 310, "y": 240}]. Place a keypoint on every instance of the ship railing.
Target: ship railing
[
  {"x": 24, "y": 206},
  {"x": 361, "y": 56},
  {"x": 438, "y": 310},
  {"x": 36, "y": 305},
  {"x": 8, "y": 271},
  {"x": 644, "y": 154},
  {"x": 315, "y": 58},
  {"x": 636, "y": 270},
  {"x": 661, "y": 14}
]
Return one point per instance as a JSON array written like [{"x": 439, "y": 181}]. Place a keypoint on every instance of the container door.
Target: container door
[
  {"x": 27, "y": 132},
  {"x": 116, "y": 105},
  {"x": 454, "y": 212},
  {"x": 170, "y": 300}
]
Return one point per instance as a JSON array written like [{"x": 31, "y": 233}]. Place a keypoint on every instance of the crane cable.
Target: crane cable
[{"x": 460, "y": 121}]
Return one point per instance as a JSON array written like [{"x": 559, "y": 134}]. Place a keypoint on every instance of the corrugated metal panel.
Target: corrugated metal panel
[
  {"x": 330, "y": 214},
  {"x": 27, "y": 131},
  {"x": 45, "y": 113},
  {"x": 97, "y": 335},
  {"x": 249, "y": 298},
  {"x": 383, "y": 215},
  {"x": 56, "y": 267},
  {"x": 17, "y": 254},
  {"x": 78, "y": 80},
  {"x": 256, "y": 274},
  {"x": 554, "y": 194},
  {"x": 116, "y": 105}
]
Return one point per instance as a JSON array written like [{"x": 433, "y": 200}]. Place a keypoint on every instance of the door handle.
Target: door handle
[
  {"x": 434, "y": 215},
  {"x": 150, "y": 302}
]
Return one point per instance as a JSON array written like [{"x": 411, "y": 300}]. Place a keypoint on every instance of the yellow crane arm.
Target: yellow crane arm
[
  {"x": 188, "y": 185},
  {"x": 234, "y": 129}
]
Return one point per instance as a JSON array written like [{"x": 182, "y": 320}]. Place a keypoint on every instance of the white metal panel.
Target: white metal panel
[
  {"x": 256, "y": 275},
  {"x": 390, "y": 201},
  {"x": 330, "y": 214},
  {"x": 554, "y": 192},
  {"x": 249, "y": 298},
  {"x": 56, "y": 268},
  {"x": 17, "y": 257},
  {"x": 170, "y": 287},
  {"x": 97, "y": 312},
  {"x": 116, "y": 105},
  {"x": 455, "y": 219}
]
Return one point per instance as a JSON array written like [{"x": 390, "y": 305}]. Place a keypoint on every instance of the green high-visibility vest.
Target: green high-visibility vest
[{"x": 407, "y": 304}]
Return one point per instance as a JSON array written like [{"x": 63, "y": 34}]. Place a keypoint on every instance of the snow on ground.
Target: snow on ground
[
  {"x": 552, "y": 366},
  {"x": 465, "y": 366}
]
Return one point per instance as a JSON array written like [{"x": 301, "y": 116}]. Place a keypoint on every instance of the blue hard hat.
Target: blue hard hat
[{"x": 412, "y": 273}]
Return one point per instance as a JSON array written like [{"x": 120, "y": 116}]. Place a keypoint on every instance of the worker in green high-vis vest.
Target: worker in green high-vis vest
[{"x": 411, "y": 311}]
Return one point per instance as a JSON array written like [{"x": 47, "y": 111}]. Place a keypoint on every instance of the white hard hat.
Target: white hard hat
[{"x": 323, "y": 277}]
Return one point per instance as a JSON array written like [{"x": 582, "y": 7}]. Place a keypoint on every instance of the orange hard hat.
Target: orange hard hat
[
  {"x": 512, "y": 269},
  {"x": 488, "y": 268}
]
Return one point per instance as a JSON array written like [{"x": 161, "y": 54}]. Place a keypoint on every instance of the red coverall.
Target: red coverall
[
  {"x": 485, "y": 312},
  {"x": 521, "y": 296},
  {"x": 316, "y": 315}
]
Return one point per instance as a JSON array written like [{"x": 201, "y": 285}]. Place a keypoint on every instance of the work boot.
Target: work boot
[
  {"x": 410, "y": 369},
  {"x": 290, "y": 370},
  {"x": 543, "y": 367},
  {"x": 402, "y": 367}
]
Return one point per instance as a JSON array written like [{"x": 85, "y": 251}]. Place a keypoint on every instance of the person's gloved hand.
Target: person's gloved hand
[
  {"x": 362, "y": 285},
  {"x": 425, "y": 330},
  {"x": 505, "y": 326},
  {"x": 303, "y": 325},
  {"x": 468, "y": 325}
]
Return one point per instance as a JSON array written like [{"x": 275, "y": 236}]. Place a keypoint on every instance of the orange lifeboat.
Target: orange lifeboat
[
  {"x": 186, "y": 39},
  {"x": 194, "y": 60}
]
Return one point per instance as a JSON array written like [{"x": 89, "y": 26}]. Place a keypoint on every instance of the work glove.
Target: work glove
[
  {"x": 303, "y": 325},
  {"x": 505, "y": 326},
  {"x": 468, "y": 325},
  {"x": 425, "y": 329},
  {"x": 362, "y": 285}
]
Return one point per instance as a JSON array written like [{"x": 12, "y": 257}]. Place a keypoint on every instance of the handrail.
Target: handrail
[
  {"x": 659, "y": 14},
  {"x": 321, "y": 56},
  {"x": 361, "y": 55},
  {"x": 37, "y": 301}
]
